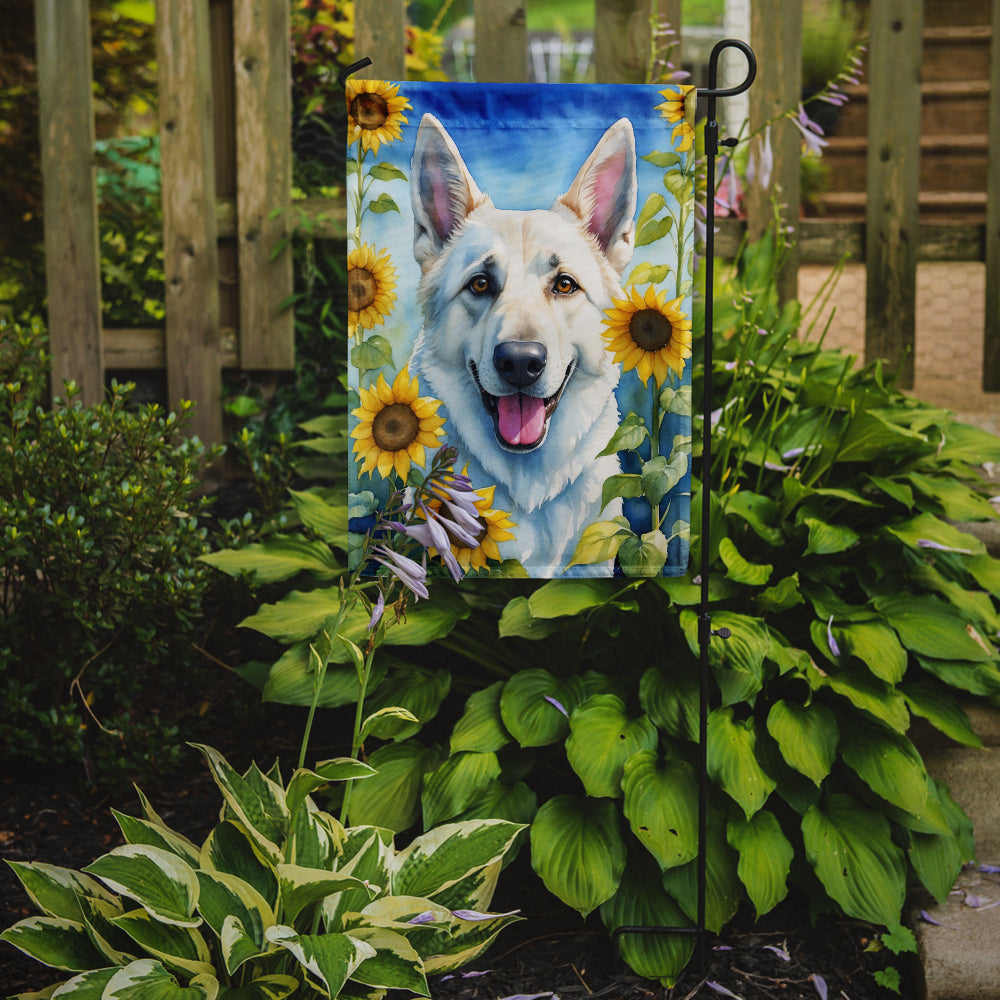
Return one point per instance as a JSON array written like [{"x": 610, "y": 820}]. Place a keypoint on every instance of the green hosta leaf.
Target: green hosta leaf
[
  {"x": 327, "y": 520},
  {"x": 142, "y": 831},
  {"x": 937, "y": 859},
  {"x": 870, "y": 436},
  {"x": 850, "y": 848},
  {"x": 828, "y": 539},
  {"x": 928, "y": 528},
  {"x": 956, "y": 500},
  {"x": 601, "y": 739},
  {"x": 631, "y": 433},
  {"x": 876, "y": 645},
  {"x": 238, "y": 944},
  {"x": 888, "y": 763},
  {"x": 965, "y": 443},
  {"x": 530, "y": 706},
  {"x": 601, "y": 541},
  {"x": 765, "y": 858},
  {"x": 468, "y": 940},
  {"x": 274, "y": 987},
  {"x": 230, "y": 849},
  {"x": 147, "y": 979},
  {"x": 279, "y": 558},
  {"x": 180, "y": 948},
  {"x": 440, "y": 858},
  {"x": 661, "y": 799},
  {"x": 559, "y": 598},
  {"x": 54, "y": 941},
  {"x": 56, "y": 891},
  {"x": 738, "y": 569},
  {"x": 643, "y": 556},
  {"x": 292, "y": 679},
  {"x": 481, "y": 728},
  {"x": 867, "y": 693},
  {"x": 732, "y": 760},
  {"x": 163, "y": 884},
  {"x": 367, "y": 853},
  {"x": 641, "y": 901},
  {"x": 936, "y": 704},
  {"x": 98, "y": 914},
  {"x": 391, "y": 798},
  {"x": 260, "y": 809},
  {"x": 418, "y": 690},
  {"x": 671, "y": 700},
  {"x": 986, "y": 572},
  {"x": 517, "y": 620},
  {"x": 578, "y": 851},
  {"x": 516, "y": 803},
  {"x": 723, "y": 889},
  {"x": 739, "y": 660},
  {"x": 456, "y": 784},
  {"x": 783, "y": 595},
  {"x": 330, "y": 959},
  {"x": 807, "y": 736},
  {"x": 760, "y": 512},
  {"x": 932, "y": 628},
  {"x": 976, "y": 678},
  {"x": 395, "y": 964}
]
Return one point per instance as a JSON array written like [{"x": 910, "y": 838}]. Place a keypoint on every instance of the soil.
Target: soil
[{"x": 550, "y": 953}]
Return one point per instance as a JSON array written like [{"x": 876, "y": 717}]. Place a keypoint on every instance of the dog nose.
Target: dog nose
[{"x": 519, "y": 362}]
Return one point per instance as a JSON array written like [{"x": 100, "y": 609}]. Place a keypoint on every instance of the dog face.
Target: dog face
[{"x": 513, "y": 303}]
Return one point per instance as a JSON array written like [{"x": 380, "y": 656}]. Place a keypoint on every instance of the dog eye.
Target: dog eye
[
  {"x": 479, "y": 284},
  {"x": 564, "y": 285}
]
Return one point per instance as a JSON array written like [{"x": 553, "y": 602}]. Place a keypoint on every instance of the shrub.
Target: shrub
[
  {"x": 99, "y": 539},
  {"x": 280, "y": 899}
]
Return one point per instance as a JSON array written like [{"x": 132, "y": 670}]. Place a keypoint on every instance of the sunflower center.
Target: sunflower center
[
  {"x": 395, "y": 427},
  {"x": 650, "y": 330},
  {"x": 370, "y": 110},
  {"x": 361, "y": 288}
]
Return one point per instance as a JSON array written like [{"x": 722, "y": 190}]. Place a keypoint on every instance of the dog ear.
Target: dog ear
[
  {"x": 605, "y": 191},
  {"x": 441, "y": 188}
]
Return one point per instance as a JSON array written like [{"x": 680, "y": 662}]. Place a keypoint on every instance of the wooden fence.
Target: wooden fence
[{"x": 226, "y": 161}]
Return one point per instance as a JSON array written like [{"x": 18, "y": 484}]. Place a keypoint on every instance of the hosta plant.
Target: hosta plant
[{"x": 279, "y": 900}]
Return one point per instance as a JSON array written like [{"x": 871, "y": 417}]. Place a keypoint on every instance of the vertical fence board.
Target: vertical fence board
[
  {"x": 622, "y": 40},
  {"x": 72, "y": 256},
  {"x": 190, "y": 254},
  {"x": 776, "y": 35},
  {"x": 893, "y": 183},
  {"x": 261, "y": 57},
  {"x": 380, "y": 34},
  {"x": 501, "y": 41},
  {"x": 991, "y": 332}
]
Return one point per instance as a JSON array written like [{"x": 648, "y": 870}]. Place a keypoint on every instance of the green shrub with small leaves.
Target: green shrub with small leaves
[
  {"x": 279, "y": 900},
  {"x": 100, "y": 583}
]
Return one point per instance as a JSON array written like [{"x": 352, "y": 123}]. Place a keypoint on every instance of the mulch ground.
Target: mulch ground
[{"x": 550, "y": 953}]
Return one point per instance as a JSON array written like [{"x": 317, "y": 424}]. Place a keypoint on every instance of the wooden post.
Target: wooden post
[
  {"x": 380, "y": 34},
  {"x": 893, "y": 183},
  {"x": 991, "y": 333},
  {"x": 625, "y": 37},
  {"x": 72, "y": 255},
  {"x": 190, "y": 254},
  {"x": 501, "y": 41},
  {"x": 776, "y": 35},
  {"x": 261, "y": 57}
]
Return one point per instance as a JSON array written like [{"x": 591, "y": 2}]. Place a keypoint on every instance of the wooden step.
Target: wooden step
[
  {"x": 956, "y": 53},
  {"x": 955, "y": 206},
  {"x": 947, "y": 162},
  {"x": 944, "y": 12},
  {"x": 946, "y": 105}
]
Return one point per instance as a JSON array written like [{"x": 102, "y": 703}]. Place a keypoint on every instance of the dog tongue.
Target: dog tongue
[{"x": 522, "y": 418}]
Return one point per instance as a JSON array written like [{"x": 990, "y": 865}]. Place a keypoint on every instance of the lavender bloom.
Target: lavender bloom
[
  {"x": 811, "y": 132},
  {"x": 427, "y": 917},
  {"x": 475, "y": 915},
  {"x": 927, "y": 543},
  {"x": 557, "y": 704},
  {"x": 834, "y": 648},
  {"x": 411, "y": 574},
  {"x": 820, "y": 983},
  {"x": 760, "y": 165},
  {"x": 377, "y": 612},
  {"x": 431, "y": 535}
]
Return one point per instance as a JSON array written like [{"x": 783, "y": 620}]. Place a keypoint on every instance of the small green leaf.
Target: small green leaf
[
  {"x": 382, "y": 204},
  {"x": 374, "y": 353},
  {"x": 386, "y": 172},
  {"x": 601, "y": 541},
  {"x": 653, "y": 230},
  {"x": 739, "y": 569},
  {"x": 648, "y": 274},
  {"x": 644, "y": 556},
  {"x": 631, "y": 433},
  {"x": 624, "y": 484}
]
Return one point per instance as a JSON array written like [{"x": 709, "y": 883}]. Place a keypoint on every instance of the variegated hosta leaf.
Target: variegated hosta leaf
[
  {"x": 315, "y": 838},
  {"x": 158, "y": 880},
  {"x": 304, "y": 782},
  {"x": 56, "y": 891},
  {"x": 177, "y": 947},
  {"x": 535, "y": 706},
  {"x": 329, "y": 959},
  {"x": 456, "y": 784},
  {"x": 661, "y": 805},
  {"x": 578, "y": 851},
  {"x": 256, "y": 801},
  {"x": 807, "y": 736},
  {"x": 141, "y": 831},
  {"x": 602, "y": 737},
  {"x": 274, "y": 987},
  {"x": 481, "y": 727},
  {"x": 850, "y": 847},
  {"x": 149, "y": 980},
  {"x": 116, "y": 946},
  {"x": 54, "y": 941},
  {"x": 225, "y": 897},
  {"x": 230, "y": 849},
  {"x": 301, "y": 887},
  {"x": 395, "y": 964},
  {"x": 765, "y": 858},
  {"x": 367, "y": 854},
  {"x": 475, "y": 891},
  {"x": 468, "y": 939},
  {"x": 441, "y": 857},
  {"x": 732, "y": 760},
  {"x": 642, "y": 902},
  {"x": 86, "y": 986}
]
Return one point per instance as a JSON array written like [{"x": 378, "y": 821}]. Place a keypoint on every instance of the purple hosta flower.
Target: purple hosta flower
[
  {"x": 531, "y": 996},
  {"x": 411, "y": 574},
  {"x": 558, "y": 705},
  {"x": 990, "y": 869},
  {"x": 780, "y": 952},
  {"x": 760, "y": 164},
  {"x": 719, "y": 988},
  {"x": 475, "y": 915},
  {"x": 928, "y": 543},
  {"x": 431, "y": 534},
  {"x": 820, "y": 984},
  {"x": 834, "y": 648},
  {"x": 811, "y": 132},
  {"x": 729, "y": 194},
  {"x": 377, "y": 612},
  {"x": 427, "y": 917},
  {"x": 927, "y": 918},
  {"x": 465, "y": 975}
]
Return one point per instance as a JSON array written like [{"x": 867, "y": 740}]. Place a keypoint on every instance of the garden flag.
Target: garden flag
[{"x": 520, "y": 262}]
